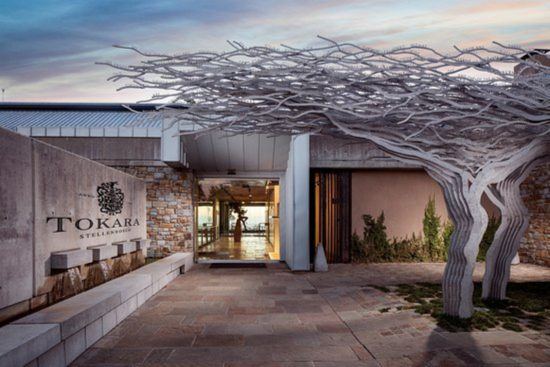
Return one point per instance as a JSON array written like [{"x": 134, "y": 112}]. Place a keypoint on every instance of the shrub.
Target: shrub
[
  {"x": 446, "y": 238},
  {"x": 374, "y": 234},
  {"x": 409, "y": 250},
  {"x": 431, "y": 226},
  {"x": 357, "y": 249},
  {"x": 374, "y": 246}
]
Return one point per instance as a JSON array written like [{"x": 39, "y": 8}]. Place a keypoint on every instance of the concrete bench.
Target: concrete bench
[
  {"x": 57, "y": 335},
  {"x": 64, "y": 260},
  {"x": 21, "y": 344},
  {"x": 181, "y": 262},
  {"x": 103, "y": 252}
]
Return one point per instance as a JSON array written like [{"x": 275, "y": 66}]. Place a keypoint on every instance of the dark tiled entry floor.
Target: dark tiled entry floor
[{"x": 272, "y": 317}]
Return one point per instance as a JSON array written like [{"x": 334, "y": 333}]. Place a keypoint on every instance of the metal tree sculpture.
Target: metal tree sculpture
[{"x": 465, "y": 117}]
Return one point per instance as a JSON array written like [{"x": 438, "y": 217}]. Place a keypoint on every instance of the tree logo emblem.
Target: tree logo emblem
[{"x": 110, "y": 198}]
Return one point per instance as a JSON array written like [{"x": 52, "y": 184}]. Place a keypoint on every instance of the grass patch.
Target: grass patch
[
  {"x": 527, "y": 307},
  {"x": 512, "y": 326}
]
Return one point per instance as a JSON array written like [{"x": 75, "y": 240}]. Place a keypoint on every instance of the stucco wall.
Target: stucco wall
[
  {"x": 402, "y": 195},
  {"x": 39, "y": 181}
]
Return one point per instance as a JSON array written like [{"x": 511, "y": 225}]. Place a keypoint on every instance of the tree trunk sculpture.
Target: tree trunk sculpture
[{"x": 514, "y": 222}]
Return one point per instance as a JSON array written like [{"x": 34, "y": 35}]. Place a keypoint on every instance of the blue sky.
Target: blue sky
[{"x": 48, "y": 48}]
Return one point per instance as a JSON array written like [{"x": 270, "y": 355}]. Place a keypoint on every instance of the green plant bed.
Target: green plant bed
[
  {"x": 527, "y": 307},
  {"x": 431, "y": 245}
]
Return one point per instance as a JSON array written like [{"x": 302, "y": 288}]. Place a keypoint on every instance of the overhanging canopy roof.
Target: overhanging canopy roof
[
  {"x": 213, "y": 153},
  {"x": 219, "y": 153}
]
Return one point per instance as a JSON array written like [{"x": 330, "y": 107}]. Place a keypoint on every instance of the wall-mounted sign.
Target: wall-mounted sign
[
  {"x": 52, "y": 201},
  {"x": 110, "y": 198},
  {"x": 110, "y": 201}
]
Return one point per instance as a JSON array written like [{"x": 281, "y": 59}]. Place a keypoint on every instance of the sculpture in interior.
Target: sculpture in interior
[
  {"x": 466, "y": 117},
  {"x": 240, "y": 222}
]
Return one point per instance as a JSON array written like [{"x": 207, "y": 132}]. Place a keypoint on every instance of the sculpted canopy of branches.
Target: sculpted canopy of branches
[
  {"x": 474, "y": 119},
  {"x": 463, "y": 110}
]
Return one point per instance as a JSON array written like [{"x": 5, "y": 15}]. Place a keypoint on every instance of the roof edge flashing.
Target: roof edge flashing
[{"x": 64, "y": 106}]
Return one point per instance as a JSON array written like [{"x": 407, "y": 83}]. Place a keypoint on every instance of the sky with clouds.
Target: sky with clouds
[{"x": 48, "y": 48}]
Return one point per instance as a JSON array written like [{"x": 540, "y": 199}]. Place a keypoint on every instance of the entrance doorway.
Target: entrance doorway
[
  {"x": 330, "y": 202},
  {"x": 237, "y": 220}
]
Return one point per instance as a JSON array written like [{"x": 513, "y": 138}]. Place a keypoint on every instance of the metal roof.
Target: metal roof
[{"x": 78, "y": 115}]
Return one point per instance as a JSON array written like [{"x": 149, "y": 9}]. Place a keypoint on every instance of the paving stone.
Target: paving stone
[
  {"x": 372, "y": 363},
  {"x": 525, "y": 353},
  {"x": 159, "y": 355},
  {"x": 114, "y": 356},
  {"x": 218, "y": 340},
  {"x": 33, "y": 363},
  {"x": 482, "y": 338},
  {"x": 488, "y": 355},
  {"x": 272, "y": 317},
  {"x": 270, "y": 364},
  {"x": 340, "y": 354},
  {"x": 155, "y": 341}
]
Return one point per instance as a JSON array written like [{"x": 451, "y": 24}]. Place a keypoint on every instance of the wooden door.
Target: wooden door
[{"x": 331, "y": 209}]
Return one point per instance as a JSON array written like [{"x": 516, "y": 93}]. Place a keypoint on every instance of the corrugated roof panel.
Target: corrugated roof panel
[{"x": 12, "y": 119}]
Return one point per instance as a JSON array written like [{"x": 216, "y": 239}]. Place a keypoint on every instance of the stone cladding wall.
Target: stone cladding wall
[
  {"x": 169, "y": 205},
  {"x": 535, "y": 246}
]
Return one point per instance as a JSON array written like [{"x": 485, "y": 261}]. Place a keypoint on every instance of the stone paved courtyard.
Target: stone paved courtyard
[{"x": 272, "y": 317}]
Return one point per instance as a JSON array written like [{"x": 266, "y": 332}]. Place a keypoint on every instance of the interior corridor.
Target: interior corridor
[
  {"x": 237, "y": 220},
  {"x": 250, "y": 247}
]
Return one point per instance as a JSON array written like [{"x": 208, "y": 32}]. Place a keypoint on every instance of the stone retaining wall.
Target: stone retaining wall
[
  {"x": 169, "y": 205},
  {"x": 535, "y": 247}
]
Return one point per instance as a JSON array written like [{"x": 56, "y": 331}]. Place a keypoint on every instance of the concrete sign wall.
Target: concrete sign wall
[
  {"x": 16, "y": 219},
  {"x": 72, "y": 203}
]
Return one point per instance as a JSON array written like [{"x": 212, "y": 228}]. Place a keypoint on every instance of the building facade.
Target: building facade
[{"x": 311, "y": 188}]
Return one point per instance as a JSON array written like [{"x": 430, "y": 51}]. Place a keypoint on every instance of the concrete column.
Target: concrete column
[
  {"x": 170, "y": 145},
  {"x": 297, "y": 204}
]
